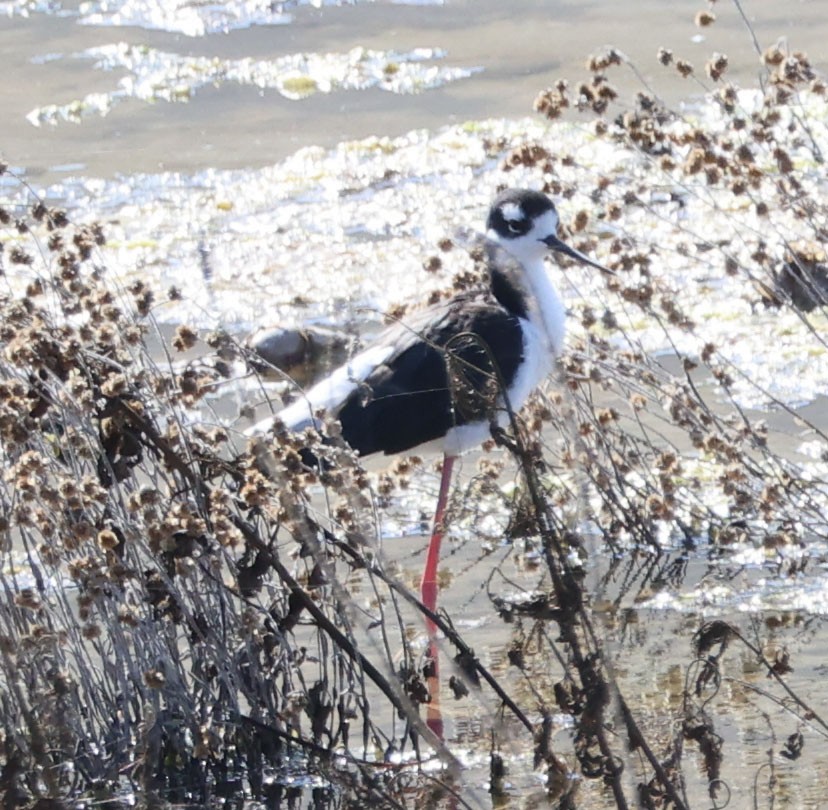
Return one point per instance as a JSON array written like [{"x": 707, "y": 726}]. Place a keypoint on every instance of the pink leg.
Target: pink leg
[
  {"x": 428, "y": 586},
  {"x": 428, "y": 594}
]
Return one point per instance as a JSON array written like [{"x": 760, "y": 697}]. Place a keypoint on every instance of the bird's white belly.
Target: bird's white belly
[{"x": 462, "y": 438}]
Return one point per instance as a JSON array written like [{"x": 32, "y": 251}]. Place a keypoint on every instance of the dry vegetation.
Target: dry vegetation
[{"x": 174, "y": 624}]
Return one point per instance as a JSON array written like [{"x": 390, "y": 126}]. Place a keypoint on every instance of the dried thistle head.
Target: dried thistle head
[
  {"x": 552, "y": 101},
  {"x": 433, "y": 264},
  {"x": 185, "y": 338},
  {"x": 579, "y": 221},
  {"x": 774, "y": 55},
  {"x": 783, "y": 160},
  {"x": 601, "y": 61},
  {"x": 716, "y": 66},
  {"x": 684, "y": 68}
]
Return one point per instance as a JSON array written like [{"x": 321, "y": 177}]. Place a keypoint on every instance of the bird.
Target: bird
[{"x": 434, "y": 381}]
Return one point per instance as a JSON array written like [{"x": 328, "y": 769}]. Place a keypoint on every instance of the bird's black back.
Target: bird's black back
[{"x": 442, "y": 376}]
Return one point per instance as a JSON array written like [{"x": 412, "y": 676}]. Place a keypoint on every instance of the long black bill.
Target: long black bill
[{"x": 553, "y": 243}]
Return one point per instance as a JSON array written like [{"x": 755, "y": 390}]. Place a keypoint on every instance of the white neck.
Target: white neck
[{"x": 547, "y": 307}]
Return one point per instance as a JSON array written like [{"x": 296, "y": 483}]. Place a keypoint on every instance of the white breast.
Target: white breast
[
  {"x": 547, "y": 311},
  {"x": 538, "y": 361}
]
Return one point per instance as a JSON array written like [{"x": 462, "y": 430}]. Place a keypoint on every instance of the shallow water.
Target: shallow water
[
  {"x": 293, "y": 212},
  {"x": 522, "y": 47},
  {"x": 290, "y": 210}
]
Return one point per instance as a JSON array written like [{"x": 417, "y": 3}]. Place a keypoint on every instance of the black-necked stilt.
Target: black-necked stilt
[{"x": 433, "y": 380}]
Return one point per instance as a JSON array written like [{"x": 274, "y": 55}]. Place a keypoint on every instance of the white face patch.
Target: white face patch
[
  {"x": 545, "y": 225},
  {"x": 512, "y": 212},
  {"x": 529, "y": 248}
]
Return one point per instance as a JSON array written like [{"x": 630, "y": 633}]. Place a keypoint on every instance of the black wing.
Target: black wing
[{"x": 442, "y": 376}]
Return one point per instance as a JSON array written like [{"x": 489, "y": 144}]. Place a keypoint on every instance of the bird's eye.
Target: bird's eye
[{"x": 514, "y": 226}]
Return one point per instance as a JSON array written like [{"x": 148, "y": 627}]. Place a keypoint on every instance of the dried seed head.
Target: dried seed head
[
  {"x": 665, "y": 56},
  {"x": 432, "y": 264},
  {"x": 185, "y": 338},
  {"x": 796, "y": 68},
  {"x": 614, "y": 211},
  {"x": 19, "y": 256},
  {"x": 602, "y": 61},
  {"x": 58, "y": 218},
  {"x": 107, "y": 539},
  {"x": 728, "y": 97},
  {"x": 783, "y": 160},
  {"x": 154, "y": 679},
  {"x": 745, "y": 154},
  {"x": 552, "y": 101},
  {"x": 712, "y": 175},
  {"x": 695, "y": 161},
  {"x": 773, "y": 55},
  {"x": 29, "y": 599},
  {"x": 684, "y": 68},
  {"x": 716, "y": 66},
  {"x": 579, "y": 222},
  {"x": 114, "y": 385}
]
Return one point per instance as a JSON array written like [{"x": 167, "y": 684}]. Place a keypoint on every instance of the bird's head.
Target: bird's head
[{"x": 525, "y": 223}]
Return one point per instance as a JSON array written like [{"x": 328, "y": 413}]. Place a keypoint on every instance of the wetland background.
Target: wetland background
[{"x": 635, "y": 599}]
